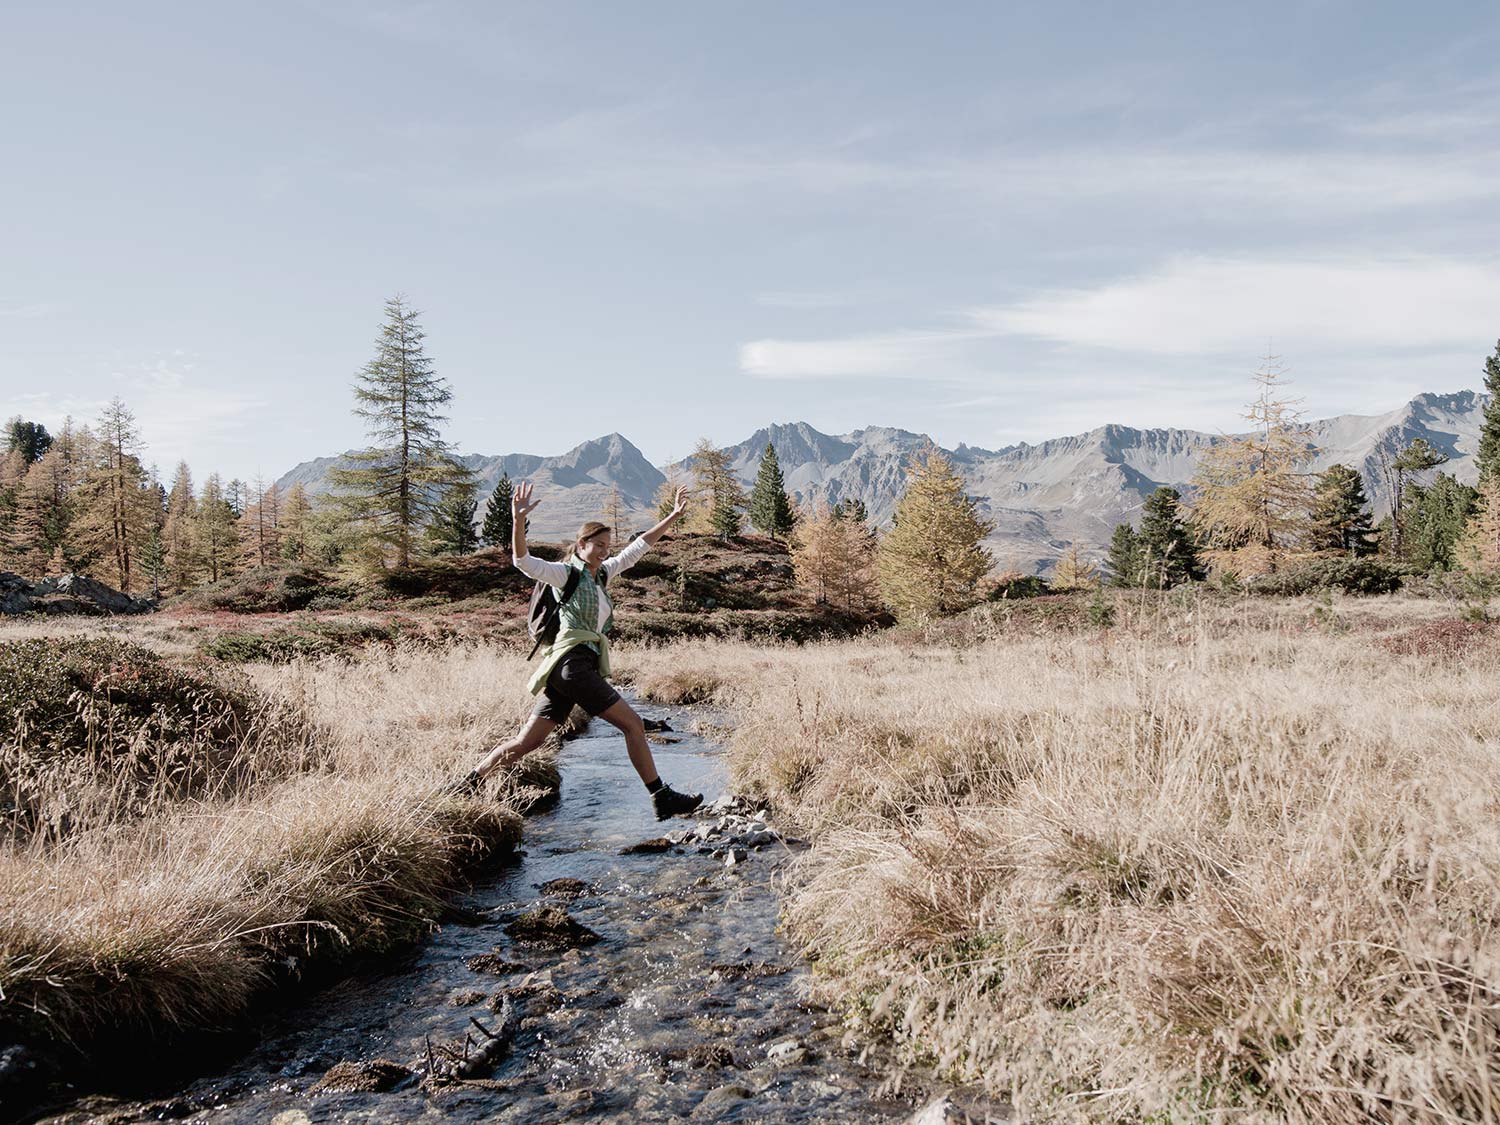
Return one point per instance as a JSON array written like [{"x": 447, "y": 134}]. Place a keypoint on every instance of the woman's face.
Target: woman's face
[{"x": 594, "y": 549}]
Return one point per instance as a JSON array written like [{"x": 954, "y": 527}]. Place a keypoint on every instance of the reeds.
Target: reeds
[
  {"x": 1228, "y": 863},
  {"x": 177, "y": 916}
]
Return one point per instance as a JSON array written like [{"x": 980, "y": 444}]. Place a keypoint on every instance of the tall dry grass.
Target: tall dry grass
[
  {"x": 177, "y": 918},
  {"x": 1225, "y": 864}
]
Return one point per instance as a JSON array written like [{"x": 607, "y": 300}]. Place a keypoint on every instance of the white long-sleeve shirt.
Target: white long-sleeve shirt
[{"x": 556, "y": 573}]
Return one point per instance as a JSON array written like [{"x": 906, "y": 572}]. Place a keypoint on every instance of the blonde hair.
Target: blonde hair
[{"x": 587, "y": 531}]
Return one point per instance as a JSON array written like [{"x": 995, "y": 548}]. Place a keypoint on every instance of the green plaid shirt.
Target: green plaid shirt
[{"x": 581, "y": 611}]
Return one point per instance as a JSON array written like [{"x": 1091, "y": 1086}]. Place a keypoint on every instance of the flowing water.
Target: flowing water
[{"x": 689, "y": 1005}]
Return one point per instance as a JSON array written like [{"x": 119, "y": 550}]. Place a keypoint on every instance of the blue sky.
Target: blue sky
[{"x": 988, "y": 221}]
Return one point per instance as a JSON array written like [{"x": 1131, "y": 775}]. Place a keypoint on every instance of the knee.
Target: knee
[{"x": 632, "y": 725}]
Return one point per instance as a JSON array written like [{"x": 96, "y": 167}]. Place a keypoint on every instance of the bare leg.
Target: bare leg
[
  {"x": 532, "y": 735},
  {"x": 623, "y": 716}
]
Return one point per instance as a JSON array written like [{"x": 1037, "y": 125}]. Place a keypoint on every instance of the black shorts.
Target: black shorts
[{"x": 575, "y": 680}]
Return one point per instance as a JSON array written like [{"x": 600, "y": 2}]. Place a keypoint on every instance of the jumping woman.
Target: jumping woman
[{"x": 575, "y": 665}]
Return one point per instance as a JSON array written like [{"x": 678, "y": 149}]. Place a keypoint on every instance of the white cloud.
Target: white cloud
[
  {"x": 894, "y": 355},
  {"x": 1204, "y": 306}
]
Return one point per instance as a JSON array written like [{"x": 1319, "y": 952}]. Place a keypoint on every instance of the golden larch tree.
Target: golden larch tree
[
  {"x": 931, "y": 561},
  {"x": 1253, "y": 493},
  {"x": 1074, "y": 573}
]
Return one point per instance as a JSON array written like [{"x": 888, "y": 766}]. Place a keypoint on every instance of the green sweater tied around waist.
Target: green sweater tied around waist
[{"x": 568, "y": 639}]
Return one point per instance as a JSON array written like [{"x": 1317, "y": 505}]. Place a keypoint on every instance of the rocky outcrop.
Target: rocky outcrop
[{"x": 67, "y": 593}]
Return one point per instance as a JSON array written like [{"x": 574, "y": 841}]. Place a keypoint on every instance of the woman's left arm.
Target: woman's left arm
[
  {"x": 638, "y": 547},
  {"x": 679, "y": 506}
]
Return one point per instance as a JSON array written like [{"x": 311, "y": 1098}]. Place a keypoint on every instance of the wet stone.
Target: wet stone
[
  {"x": 741, "y": 970},
  {"x": 494, "y": 962},
  {"x": 786, "y": 1052},
  {"x": 466, "y": 997},
  {"x": 718, "y": 1100},
  {"x": 373, "y": 1076},
  {"x": 551, "y": 925},
  {"x": 565, "y": 888},
  {"x": 648, "y": 847},
  {"x": 710, "y": 1056}
]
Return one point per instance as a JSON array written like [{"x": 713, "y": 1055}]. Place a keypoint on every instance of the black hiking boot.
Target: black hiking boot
[
  {"x": 669, "y": 802},
  {"x": 467, "y": 786}
]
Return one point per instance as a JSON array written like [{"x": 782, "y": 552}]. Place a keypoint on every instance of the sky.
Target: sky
[{"x": 990, "y": 222}]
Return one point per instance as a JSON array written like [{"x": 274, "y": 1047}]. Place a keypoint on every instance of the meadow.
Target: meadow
[
  {"x": 1222, "y": 860},
  {"x": 1195, "y": 857},
  {"x": 184, "y": 837}
]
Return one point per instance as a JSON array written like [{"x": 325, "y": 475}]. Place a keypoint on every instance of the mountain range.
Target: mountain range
[{"x": 1042, "y": 498}]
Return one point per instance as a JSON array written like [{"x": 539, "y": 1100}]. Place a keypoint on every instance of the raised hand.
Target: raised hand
[
  {"x": 680, "y": 504},
  {"x": 521, "y": 503}
]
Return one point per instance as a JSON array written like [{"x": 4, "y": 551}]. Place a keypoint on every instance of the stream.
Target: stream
[{"x": 687, "y": 1005}]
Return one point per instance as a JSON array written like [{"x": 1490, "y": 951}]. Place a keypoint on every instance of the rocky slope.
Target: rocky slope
[{"x": 1042, "y": 497}]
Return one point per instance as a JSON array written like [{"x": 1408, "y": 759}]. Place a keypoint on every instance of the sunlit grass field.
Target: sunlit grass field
[
  {"x": 1229, "y": 861},
  {"x": 1203, "y": 859}
]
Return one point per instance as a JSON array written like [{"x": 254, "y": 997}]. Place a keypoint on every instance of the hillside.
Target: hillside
[
  {"x": 687, "y": 585},
  {"x": 1042, "y": 497}
]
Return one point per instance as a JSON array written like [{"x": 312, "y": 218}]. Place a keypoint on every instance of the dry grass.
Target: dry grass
[
  {"x": 1222, "y": 862},
  {"x": 176, "y": 919}
]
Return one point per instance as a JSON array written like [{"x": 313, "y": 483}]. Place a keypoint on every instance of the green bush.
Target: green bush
[
  {"x": 266, "y": 590},
  {"x": 1353, "y": 576},
  {"x": 1021, "y": 586},
  {"x": 331, "y": 637}
]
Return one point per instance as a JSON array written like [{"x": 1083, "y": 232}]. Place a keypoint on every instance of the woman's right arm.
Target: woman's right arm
[{"x": 521, "y": 505}]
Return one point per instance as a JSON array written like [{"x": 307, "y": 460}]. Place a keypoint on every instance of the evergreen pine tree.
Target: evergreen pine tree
[
  {"x": 451, "y": 528},
  {"x": 1399, "y": 472},
  {"x": 30, "y": 439},
  {"x": 931, "y": 561},
  {"x": 496, "y": 529},
  {"x": 1487, "y": 457},
  {"x": 1434, "y": 518},
  {"x": 1168, "y": 552},
  {"x": 1340, "y": 516},
  {"x": 770, "y": 509},
  {"x": 393, "y": 487},
  {"x": 851, "y": 509},
  {"x": 1124, "y": 561},
  {"x": 1252, "y": 495}
]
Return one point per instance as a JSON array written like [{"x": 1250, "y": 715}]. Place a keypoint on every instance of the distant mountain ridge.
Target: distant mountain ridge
[{"x": 1043, "y": 497}]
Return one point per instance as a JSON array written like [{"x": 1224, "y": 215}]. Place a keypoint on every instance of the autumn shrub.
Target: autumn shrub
[{"x": 265, "y": 590}]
